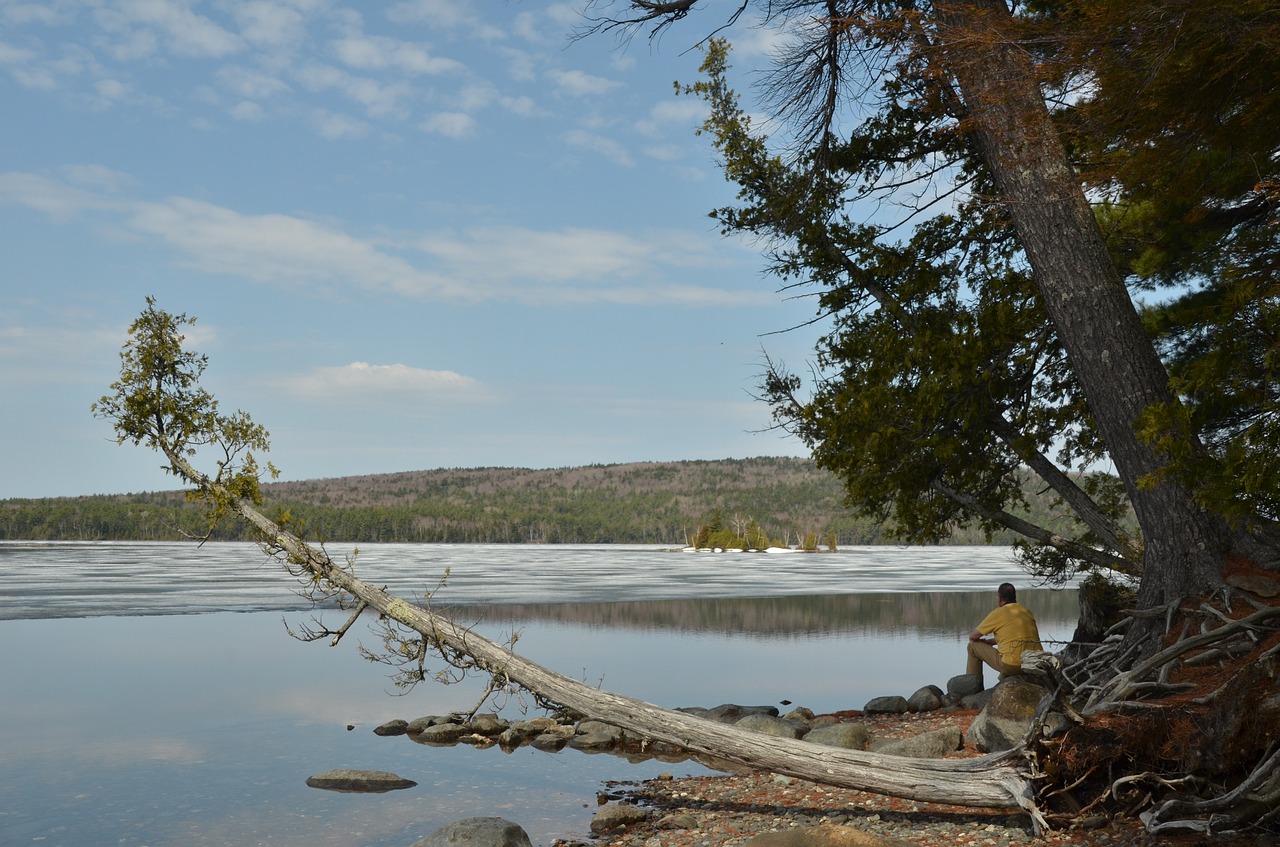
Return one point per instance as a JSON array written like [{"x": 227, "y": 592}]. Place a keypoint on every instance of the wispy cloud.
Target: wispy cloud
[
  {"x": 578, "y": 83},
  {"x": 177, "y": 28},
  {"x": 396, "y": 382},
  {"x": 475, "y": 265}
]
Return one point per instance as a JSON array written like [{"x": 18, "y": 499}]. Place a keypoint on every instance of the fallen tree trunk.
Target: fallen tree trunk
[{"x": 994, "y": 781}]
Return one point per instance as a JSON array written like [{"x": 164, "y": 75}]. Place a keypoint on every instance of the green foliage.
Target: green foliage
[
  {"x": 646, "y": 503},
  {"x": 158, "y": 403},
  {"x": 940, "y": 373},
  {"x": 938, "y": 344}
]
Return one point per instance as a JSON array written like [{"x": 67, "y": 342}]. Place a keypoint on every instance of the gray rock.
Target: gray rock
[
  {"x": 477, "y": 832},
  {"x": 927, "y": 699},
  {"x": 680, "y": 820},
  {"x": 976, "y": 701},
  {"x": 1263, "y": 586},
  {"x": 521, "y": 731},
  {"x": 595, "y": 741},
  {"x": 926, "y": 745},
  {"x": 615, "y": 816},
  {"x": 825, "y": 835},
  {"x": 598, "y": 727},
  {"x": 427, "y": 721},
  {"x": 395, "y": 727},
  {"x": 732, "y": 712},
  {"x": 553, "y": 739},
  {"x": 358, "y": 781},
  {"x": 441, "y": 733},
  {"x": 959, "y": 687},
  {"x": 770, "y": 725},
  {"x": 800, "y": 714},
  {"x": 1004, "y": 721},
  {"x": 487, "y": 723},
  {"x": 886, "y": 705},
  {"x": 850, "y": 736}
]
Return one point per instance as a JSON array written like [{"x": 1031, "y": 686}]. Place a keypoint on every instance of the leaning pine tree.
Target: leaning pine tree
[{"x": 971, "y": 187}]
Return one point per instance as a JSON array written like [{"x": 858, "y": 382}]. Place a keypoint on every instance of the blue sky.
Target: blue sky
[{"x": 416, "y": 234}]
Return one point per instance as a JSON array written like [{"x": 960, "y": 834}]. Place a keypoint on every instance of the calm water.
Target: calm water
[{"x": 152, "y": 696}]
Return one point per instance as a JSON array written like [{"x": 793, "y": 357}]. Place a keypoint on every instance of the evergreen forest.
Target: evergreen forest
[{"x": 784, "y": 501}]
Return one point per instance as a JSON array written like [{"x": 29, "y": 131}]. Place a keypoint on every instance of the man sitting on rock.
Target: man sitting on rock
[{"x": 1012, "y": 629}]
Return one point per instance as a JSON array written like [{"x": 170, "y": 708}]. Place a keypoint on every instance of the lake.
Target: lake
[{"x": 153, "y": 697}]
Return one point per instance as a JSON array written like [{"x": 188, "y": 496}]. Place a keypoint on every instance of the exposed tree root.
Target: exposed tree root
[{"x": 1187, "y": 737}]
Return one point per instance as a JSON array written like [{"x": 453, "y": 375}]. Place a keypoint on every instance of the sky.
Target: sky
[{"x": 414, "y": 235}]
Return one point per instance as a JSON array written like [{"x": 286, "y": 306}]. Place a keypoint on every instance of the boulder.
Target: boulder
[
  {"x": 926, "y": 745},
  {"x": 594, "y": 735},
  {"x": 521, "y": 731},
  {"x": 358, "y": 781},
  {"x": 850, "y": 736},
  {"x": 770, "y": 725},
  {"x": 825, "y": 835},
  {"x": 959, "y": 687},
  {"x": 419, "y": 724},
  {"x": 927, "y": 699},
  {"x": 1004, "y": 721},
  {"x": 395, "y": 727},
  {"x": 886, "y": 705},
  {"x": 477, "y": 832},
  {"x": 616, "y": 816},
  {"x": 441, "y": 733},
  {"x": 732, "y": 712},
  {"x": 487, "y": 723}
]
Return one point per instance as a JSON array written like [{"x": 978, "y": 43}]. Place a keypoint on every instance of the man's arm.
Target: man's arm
[{"x": 977, "y": 636}]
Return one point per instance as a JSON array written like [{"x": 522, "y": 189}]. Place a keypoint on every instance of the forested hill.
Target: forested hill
[{"x": 648, "y": 502}]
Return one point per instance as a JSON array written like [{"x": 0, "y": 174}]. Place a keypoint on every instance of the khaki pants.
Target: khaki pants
[{"x": 980, "y": 652}]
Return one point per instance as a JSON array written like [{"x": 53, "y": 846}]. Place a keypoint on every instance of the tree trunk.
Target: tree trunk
[{"x": 1084, "y": 294}]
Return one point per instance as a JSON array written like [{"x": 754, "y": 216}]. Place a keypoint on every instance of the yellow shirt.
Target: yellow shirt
[{"x": 1015, "y": 630}]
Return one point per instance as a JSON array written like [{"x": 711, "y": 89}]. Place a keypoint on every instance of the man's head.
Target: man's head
[{"x": 1007, "y": 593}]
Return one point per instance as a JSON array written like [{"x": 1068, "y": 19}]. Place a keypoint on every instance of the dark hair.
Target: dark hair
[{"x": 1007, "y": 592}]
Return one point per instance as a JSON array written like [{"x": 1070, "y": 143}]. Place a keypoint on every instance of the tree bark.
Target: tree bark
[{"x": 1084, "y": 294}]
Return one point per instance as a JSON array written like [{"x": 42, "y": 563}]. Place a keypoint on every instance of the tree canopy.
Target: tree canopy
[{"x": 976, "y": 193}]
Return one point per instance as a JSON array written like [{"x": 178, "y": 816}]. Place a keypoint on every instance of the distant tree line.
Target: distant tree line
[{"x": 760, "y": 502}]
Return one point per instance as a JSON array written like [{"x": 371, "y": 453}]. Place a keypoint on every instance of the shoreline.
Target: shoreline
[{"x": 731, "y": 809}]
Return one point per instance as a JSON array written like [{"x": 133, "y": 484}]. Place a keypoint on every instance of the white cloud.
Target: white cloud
[
  {"x": 246, "y": 110},
  {"x": 10, "y": 55},
  {"x": 378, "y": 98},
  {"x": 599, "y": 144},
  {"x": 581, "y": 84},
  {"x": 395, "y": 382},
  {"x": 450, "y": 124},
  {"x": 96, "y": 176},
  {"x": 479, "y": 264},
  {"x": 58, "y": 200},
  {"x": 333, "y": 125},
  {"x": 682, "y": 114},
  {"x": 269, "y": 24},
  {"x": 251, "y": 84},
  {"x": 180, "y": 30},
  {"x": 444, "y": 14},
  {"x": 369, "y": 52}
]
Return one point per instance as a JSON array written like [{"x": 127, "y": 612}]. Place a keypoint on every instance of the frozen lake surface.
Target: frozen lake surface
[{"x": 152, "y": 696}]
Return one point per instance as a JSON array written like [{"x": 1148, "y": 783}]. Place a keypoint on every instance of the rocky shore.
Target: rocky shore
[{"x": 747, "y": 808}]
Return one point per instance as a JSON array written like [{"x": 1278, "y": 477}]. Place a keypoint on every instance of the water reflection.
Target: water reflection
[{"x": 923, "y": 613}]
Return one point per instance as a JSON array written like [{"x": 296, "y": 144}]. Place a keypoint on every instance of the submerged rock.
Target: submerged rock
[
  {"x": 477, "y": 832},
  {"x": 358, "y": 781}
]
